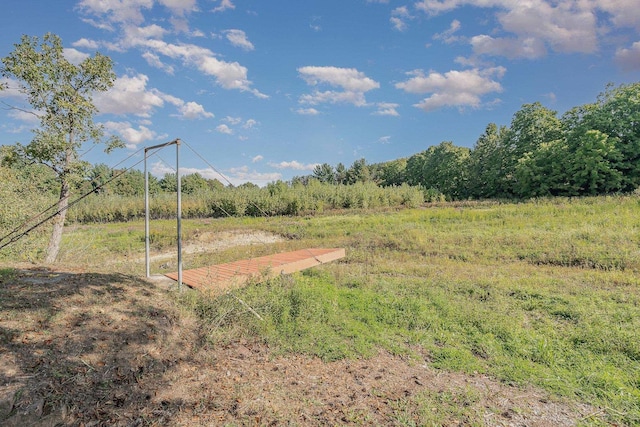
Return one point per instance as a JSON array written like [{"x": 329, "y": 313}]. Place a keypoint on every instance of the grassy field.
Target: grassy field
[{"x": 544, "y": 293}]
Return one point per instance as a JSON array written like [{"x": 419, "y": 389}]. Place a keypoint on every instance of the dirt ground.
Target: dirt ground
[{"x": 80, "y": 348}]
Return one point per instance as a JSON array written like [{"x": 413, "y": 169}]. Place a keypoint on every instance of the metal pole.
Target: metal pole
[
  {"x": 146, "y": 216},
  {"x": 179, "y": 208},
  {"x": 179, "y": 214}
]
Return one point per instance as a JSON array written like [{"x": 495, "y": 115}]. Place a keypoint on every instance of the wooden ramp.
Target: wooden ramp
[{"x": 238, "y": 273}]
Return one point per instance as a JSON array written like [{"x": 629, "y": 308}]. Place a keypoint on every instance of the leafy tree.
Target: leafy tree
[
  {"x": 324, "y": 173},
  {"x": 415, "y": 168},
  {"x": 446, "y": 169},
  {"x": 300, "y": 180},
  {"x": 543, "y": 172},
  {"x": 616, "y": 114},
  {"x": 486, "y": 164},
  {"x": 277, "y": 187},
  {"x": 168, "y": 182},
  {"x": 593, "y": 167},
  {"x": 131, "y": 183},
  {"x": 442, "y": 168},
  {"x": 60, "y": 94},
  {"x": 531, "y": 126},
  {"x": 249, "y": 185},
  {"x": 341, "y": 174},
  {"x": 393, "y": 173},
  {"x": 358, "y": 172},
  {"x": 214, "y": 184},
  {"x": 194, "y": 183},
  {"x": 98, "y": 176},
  {"x": 35, "y": 176}
]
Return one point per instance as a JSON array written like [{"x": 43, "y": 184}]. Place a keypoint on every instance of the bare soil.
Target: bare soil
[{"x": 80, "y": 348}]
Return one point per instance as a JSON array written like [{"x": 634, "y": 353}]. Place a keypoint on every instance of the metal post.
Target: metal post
[
  {"x": 179, "y": 214},
  {"x": 146, "y": 216}
]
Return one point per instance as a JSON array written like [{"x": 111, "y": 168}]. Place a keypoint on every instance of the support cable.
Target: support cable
[
  {"x": 38, "y": 215},
  {"x": 250, "y": 201},
  {"x": 72, "y": 203}
]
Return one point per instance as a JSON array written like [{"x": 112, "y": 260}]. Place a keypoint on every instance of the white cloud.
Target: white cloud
[
  {"x": 249, "y": 124},
  {"x": 257, "y": 158},
  {"x": 119, "y": 11},
  {"x": 86, "y": 43},
  {"x": 629, "y": 59},
  {"x": 239, "y": 39},
  {"x": 529, "y": 47},
  {"x": 129, "y": 95},
  {"x": 295, "y": 165},
  {"x": 128, "y": 15},
  {"x": 386, "y": 109},
  {"x": 624, "y": 13},
  {"x": 179, "y": 7},
  {"x": 224, "y": 5},
  {"x": 349, "y": 79},
  {"x": 233, "y": 120},
  {"x": 384, "y": 139},
  {"x": 129, "y": 134},
  {"x": 399, "y": 17},
  {"x": 448, "y": 35},
  {"x": 530, "y": 28},
  {"x": 11, "y": 88},
  {"x": 308, "y": 111},
  {"x": 160, "y": 169},
  {"x": 229, "y": 75},
  {"x": 136, "y": 35},
  {"x": 454, "y": 88},
  {"x": 28, "y": 116},
  {"x": 193, "y": 110},
  {"x": 224, "y": 129},
  {"x": 334, "y": 97},
  {"x": 74, "y": 56},
  {"x": 242, "y": 174},
  {"x": 155, "y": 61},
  {"x": 102, "y": 25},
  {"x": 353, "y": 83}
]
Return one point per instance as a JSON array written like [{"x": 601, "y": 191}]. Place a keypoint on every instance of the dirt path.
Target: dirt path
[{"x": 211, "y": 242}]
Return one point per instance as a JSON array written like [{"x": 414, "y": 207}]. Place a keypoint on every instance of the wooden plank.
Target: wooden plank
[{"x": 239, "y": 273}]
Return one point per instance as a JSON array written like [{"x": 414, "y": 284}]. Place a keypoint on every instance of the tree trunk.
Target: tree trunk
[{"x": 58, "y": 224}]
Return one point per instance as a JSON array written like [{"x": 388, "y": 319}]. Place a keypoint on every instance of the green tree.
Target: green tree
[
  {"x": 447, "y": 169},
  {"x": 593, "y": 167},
  {"x": 98, "y": 176},
  {"x": 531, "y": 126},
  {"x": 194, "y": 183},
  {"x": 616, "y": 114},
  {"x": 341, "y": 174},
  {"x": 324, "y": 173},
  {"x": 60, "y": 94},
  {"x": 443, "y": 168},
  {"x": 168, "y": 183},
  {"x": 415, "y": 168},
  {"x": 358, "y": 172},
  {"x": 543, "y": 172},
  {"x": 486, "y": 164},
  {"x": 393, "y": 173}
]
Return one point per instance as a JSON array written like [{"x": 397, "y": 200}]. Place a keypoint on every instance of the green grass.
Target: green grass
[{"x": 544, "y": 293}]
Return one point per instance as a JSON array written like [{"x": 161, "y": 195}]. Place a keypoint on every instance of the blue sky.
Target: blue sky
[{"x": 265, "y": 90}]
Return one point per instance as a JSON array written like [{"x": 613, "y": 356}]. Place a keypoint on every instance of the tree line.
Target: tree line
[{"x": 591, "y": 149}]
